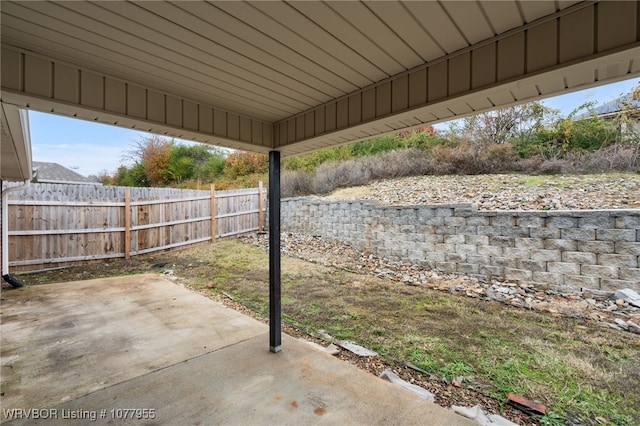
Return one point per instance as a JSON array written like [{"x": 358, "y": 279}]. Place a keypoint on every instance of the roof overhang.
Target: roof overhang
[
  {"x": 15, "y": 145},
  {"x": 301, "y": 76}
]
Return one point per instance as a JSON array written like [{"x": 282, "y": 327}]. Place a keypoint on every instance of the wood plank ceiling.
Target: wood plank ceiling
[{"x": 282, "y": 68}]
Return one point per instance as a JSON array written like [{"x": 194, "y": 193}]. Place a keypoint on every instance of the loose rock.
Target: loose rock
[
  {"x": 503, "y": 192},
  {"x": 628, "y": 295},
  {"x": 481, "y": 417},
  {"x": 356, "y": 349},
  {"x": 390, "y": 376},
  {"x": 621, "y": 323},
  {"x": 593, "y": 304}
]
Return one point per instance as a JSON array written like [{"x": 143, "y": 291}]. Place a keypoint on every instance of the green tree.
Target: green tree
[
  {"x": 159, "y": 161},
  {"x": 211, "y": 168},
  {"x": 131, "y": 176}
]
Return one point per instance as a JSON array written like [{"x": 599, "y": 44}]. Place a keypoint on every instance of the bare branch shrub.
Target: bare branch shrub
[
  {"x": 295, "y": 183},
  {"x": 330, "y": 176},
  {"x": 462, "y": 159},
  {"x": 399, "y": 163},
  {"x": 620, "y": 156}
]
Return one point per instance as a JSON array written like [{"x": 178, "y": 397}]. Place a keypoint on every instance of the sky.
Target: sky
[{"x": 90, "y": 148}]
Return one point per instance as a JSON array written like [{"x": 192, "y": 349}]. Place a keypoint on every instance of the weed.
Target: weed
[
  {"x": 458, "y": 368},
  {"x": 578, "y": 371},
  {"x": 378, "y": 331},
  {"x": 550, "y": 419}
]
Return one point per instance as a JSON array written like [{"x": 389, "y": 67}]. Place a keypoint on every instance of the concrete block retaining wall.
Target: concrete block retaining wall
[{"x": 594, "y": 249}]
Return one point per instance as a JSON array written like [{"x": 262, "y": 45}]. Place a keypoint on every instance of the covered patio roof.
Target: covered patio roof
[{"x": 303, "y": 75}]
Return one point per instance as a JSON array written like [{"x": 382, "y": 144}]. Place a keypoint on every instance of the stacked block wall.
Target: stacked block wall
[{"x": 594, "y": 249}]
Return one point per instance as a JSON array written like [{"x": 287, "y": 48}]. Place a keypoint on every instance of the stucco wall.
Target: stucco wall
[{"x": 595, "y": 249}]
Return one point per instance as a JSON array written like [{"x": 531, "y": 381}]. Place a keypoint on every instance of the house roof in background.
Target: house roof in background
[
  {"x": 617, "y": 105},
  {"x": 56, "y": 173}
]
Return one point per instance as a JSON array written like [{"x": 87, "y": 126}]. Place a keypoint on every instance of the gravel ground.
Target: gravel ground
[
  {"x": 599, "y": 308},
  {"x": 489, "y": 192},
  {"x": 507, "y": 191}
]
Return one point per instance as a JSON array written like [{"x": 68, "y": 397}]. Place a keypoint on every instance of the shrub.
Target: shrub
[
  {"x": 295, "y": 183},
  {"x": 330, "y": 176},
  {"x": 399, "y": 163},
  {"x": 622, "y": 157},
  {"x": 243, "y": 163},
  {"x": 498, "y": 158},
  {"x": 461, "y": 159},
  {"x": 210, "y": 168}
]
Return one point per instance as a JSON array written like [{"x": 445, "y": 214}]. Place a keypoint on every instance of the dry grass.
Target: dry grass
[
  {"x": 580, "y": 371},
  {"x": 463, "y": 159}
]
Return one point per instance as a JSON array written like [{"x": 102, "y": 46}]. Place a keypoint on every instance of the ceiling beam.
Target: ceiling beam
[
  {"x": 33, "y": 81},
  {"x": 560, "y": 52}
]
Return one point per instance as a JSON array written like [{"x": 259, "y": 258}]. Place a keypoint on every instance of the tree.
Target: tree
[
  {"x": 243, "y": 163},
  {"x": 156, "y": 156},
  {"x": 131, "y": 176},
  {"x": 159, "y": 161},
  {"x": 513, "y": 124}
]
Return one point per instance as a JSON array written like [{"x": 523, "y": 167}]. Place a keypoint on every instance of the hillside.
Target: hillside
[{"x": 506, "y": 191}]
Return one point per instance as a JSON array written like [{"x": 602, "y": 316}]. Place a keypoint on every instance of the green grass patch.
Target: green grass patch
[{"x": 579, "y": 371}]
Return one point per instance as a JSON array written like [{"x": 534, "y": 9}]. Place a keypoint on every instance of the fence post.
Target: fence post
[
  {"x": 213, "y": 213},
  {"x": 127, "y": 223},
  {"x": 260, "y": 207}
]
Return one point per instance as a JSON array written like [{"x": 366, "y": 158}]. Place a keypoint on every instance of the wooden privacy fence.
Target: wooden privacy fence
[{"x": 54, "y": 225}]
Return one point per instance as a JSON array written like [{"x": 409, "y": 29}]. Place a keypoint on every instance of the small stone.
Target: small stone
[
  {"x": 393, "y": 378},
  {"x": 357, "y": 349},
  {"x": 633, "y": 327},
  {"x": 619, "y": 302},
  {"x": 621, "y": 323},
  {"x": 505, "y": 290},
  {"x": 332, "y": 349},
  {"x": 324, "y": 335},
  {"x": 480, "y": 416},
  {"x": 629, "y": 296}
]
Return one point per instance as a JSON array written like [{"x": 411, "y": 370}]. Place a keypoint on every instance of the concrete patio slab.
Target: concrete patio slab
[{"x": 94, "y": 349}]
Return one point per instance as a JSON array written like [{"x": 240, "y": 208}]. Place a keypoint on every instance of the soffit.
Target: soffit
[
  {"x": 268, "y": 60},
  {"x": 15, "y": 144}
]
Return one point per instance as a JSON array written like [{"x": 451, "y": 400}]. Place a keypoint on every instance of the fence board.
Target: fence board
[{"x": 62, "y": 224}]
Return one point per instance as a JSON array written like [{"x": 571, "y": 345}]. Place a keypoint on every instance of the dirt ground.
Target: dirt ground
[{"x": 466, "y": 351}]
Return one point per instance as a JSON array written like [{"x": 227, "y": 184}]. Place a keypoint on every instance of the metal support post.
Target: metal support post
[{"x": 275, "y": 271}]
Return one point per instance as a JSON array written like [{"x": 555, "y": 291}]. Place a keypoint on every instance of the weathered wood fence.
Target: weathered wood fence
[{"x": 53, "y": 225}]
